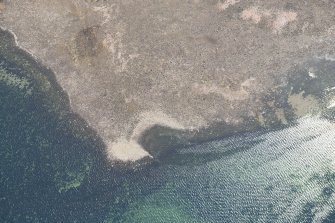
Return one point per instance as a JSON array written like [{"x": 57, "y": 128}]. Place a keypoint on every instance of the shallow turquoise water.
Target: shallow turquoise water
[{"x": 53, "y": 168}]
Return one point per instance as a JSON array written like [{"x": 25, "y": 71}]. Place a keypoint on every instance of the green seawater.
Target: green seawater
[{"x": 53, "y": 166}]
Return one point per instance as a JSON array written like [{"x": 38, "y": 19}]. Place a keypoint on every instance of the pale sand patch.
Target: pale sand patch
[
  {"x": 327, "y": 57},
  {"x": 253, "y": 14},
  {"x": 231, "y": 95},
  {"x": 311, "y": 73},
  {"x": 2, "y": 7},
  {"x": 149, "y": 119},
  {"x": 280, "y": 113},
  {"x": 303, "y": 105},
  {"x": 277, "y": 19},
  {"x": 331, "y": 104},
  {"x": 129, "y": 149},
  {"x": 248, "y": 83},
  {"x": 106, "y": 12},
  {"x": 282, "y": 19},
  {"x": 223, "y": 6},
  {"x": 126, "y": 150}
]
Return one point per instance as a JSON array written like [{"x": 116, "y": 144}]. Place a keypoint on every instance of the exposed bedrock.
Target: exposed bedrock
[{"x": 165, "y": 73}]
